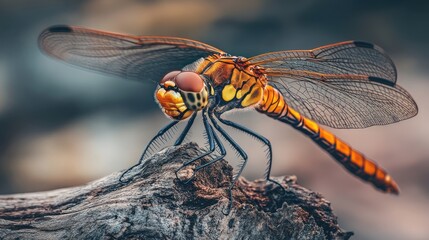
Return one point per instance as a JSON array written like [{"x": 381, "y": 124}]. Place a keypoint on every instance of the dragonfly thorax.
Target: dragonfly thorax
[
  {"x": 237, "y": 83},
  {"x": 181, "y": 93}
]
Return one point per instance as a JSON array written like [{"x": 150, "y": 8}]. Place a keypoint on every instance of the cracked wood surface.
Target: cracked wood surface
[{"x": 154, "y": 204}]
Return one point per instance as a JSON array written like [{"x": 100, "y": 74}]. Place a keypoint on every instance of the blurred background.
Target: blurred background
[{"x": 62, "y": 126}]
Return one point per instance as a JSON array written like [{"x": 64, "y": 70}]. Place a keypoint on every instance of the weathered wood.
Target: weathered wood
[{"x": 154, "y": 204}]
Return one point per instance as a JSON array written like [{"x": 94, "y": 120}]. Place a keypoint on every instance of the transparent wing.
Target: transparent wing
[
  {"x": 351, "y": 57},
  {"x": 344, "y": 85},
  {"x": 344, "y": 101},
  {"x": 140, "y": 58}
]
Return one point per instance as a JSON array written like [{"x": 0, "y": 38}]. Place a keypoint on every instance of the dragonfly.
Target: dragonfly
[{"x": 349, "y": 84}]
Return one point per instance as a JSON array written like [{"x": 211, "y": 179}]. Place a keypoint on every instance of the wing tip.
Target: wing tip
[
  {"x": 381, "y": 80},
  {"x": 59, "y": 28},
  {"x": 55, "y": 29},
  {"x": 363, "y": 44},
  {"x": 52, "y": 30}
]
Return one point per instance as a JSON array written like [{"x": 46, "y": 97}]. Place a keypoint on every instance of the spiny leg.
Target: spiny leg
[
  {"x": 262, "y": 139},
  {"x": 185, "y": 130},
  {"x": 211, "y": 142},
  {"x": 218, "y": 158},
  {"x": 240, "y": 151},
  {"x": 164, "y": 131},
  {"x": 158, "y": 136},
  {"x": 161, "y": 133},
  {"x": 242, "y": 154},
  {"x": 215, "y": 159}
]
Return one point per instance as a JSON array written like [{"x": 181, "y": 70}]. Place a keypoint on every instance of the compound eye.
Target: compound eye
[
  {"x": 189, "y": 81},
  {"x": 169, "y": 76}
]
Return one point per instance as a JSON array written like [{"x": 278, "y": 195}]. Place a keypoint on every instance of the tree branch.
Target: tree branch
[{"x": 154, "y": 204}]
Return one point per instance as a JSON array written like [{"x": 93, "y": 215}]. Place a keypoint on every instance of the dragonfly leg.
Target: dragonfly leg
[
  {"x": 214, "y": 159},
  {"x": 159, "y": 135},
  {"x": 237, "y": 147},
  {"x": 209, "y": 132},
  {"x": 262, "y": 139},
  {"x": 217, "y": 158},
  {"x": 185, "y": 130},
  {"x": 240, "y": 152},
  {"x": 154, "y": 141}
]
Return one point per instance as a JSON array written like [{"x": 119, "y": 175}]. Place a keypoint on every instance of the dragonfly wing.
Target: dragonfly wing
[
  {"x": 350, "y": 57},
  {"x": 140, "y": 58},
  {"x": 344, "y": 101},
  {"x": 344, "y": 85}
]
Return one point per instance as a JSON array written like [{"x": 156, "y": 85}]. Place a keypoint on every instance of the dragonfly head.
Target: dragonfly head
[{"x": 182, "y": 93}]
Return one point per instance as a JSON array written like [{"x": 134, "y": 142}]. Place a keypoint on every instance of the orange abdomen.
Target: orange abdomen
[{"x": 355, "y": 162}]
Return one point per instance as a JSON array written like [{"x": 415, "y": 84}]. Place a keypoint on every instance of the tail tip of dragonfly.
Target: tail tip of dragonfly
[{"x": 392, "y": 186}]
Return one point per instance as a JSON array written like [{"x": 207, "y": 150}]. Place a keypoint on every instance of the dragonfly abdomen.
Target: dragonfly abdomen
[{"x": 273, "y": 105}]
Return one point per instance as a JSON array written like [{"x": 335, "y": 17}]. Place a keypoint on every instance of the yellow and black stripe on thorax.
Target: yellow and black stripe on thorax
[
  {"x": 274, "y": 105},
  {"x": 236, "y": 81}
]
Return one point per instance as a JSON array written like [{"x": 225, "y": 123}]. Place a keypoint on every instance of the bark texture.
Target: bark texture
[{"x": 154, "y": 204}]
